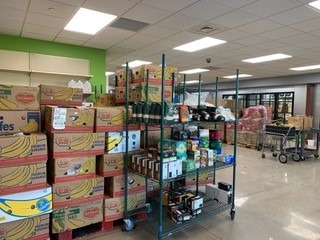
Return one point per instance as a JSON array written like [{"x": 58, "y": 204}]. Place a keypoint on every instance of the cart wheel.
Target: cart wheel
[
  {"x": 296, "y": 157},
  {"x": 283, "y": 158},
  {"x": 259, "y": 146},
  {"x": 274, "y": 154},
  {"x": 272, "y": 148},
  {"x": 232, "y": 214},
  {"x": 128, "y": 224},
  {"x": 316, "y": 155},
  {"x": 148, "y": 208},
  {"x": 263, "y": 155}
]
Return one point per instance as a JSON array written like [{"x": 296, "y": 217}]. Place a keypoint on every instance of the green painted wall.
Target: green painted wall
[{"x": 96, "y": 56}]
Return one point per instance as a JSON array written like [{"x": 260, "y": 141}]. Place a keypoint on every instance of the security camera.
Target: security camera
[{"x": 208, "y": 60}]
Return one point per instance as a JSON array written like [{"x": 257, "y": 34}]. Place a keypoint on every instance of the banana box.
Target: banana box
[
  {"x": 72, "y": 168},
  {"x": 153, "y": 187},
  {"x": 154, "y": 137},
  {"x": 116, "y": 141},
  {"x": 76, "y": 216},
  {"x": 35, "y": 228},
  {"x": 24, "y": 205},
  {"x": 60, "y": 95},
  {"x": 19, "y": 98},
  {"x": 69, "y": 119},
  {"x": 139, "y": 74},
  {"x": 77, "y": 192},
  {"x": 23, "y": 178},
  {"x": 121, "y": 77},
  {"x": 114, "y": 207},
  {"x": 138, "y": 91},
  {"x": 19, "y": 121},
  {"x": 110, "y": 164},
  {"x": 204, "y": 178},
  {"x": 64, "y": 144},
  {"x": 19, "y": 149},
  {"x": 115, "y": 184},
  {"x": 109, "y": 119}
]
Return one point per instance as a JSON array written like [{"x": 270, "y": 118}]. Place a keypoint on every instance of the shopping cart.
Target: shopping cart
[{"x": 277, "y": 139}]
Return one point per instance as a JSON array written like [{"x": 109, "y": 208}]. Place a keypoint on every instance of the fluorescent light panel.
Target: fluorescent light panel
[
  {"x": 196, "y": 70},
  {"x": 89, "y": 21},
  {"x": 136, "y": 63},
  {"x": 200, "y": 44},
  {"x": 109, "y": 73},
  {"x": 305, "y": 68},
  {"x": 240, "y": 76},
  {"x": 192, "y": 81},
  {"x": 315, "y": 4},
  {"x": 267, "y": 58}
]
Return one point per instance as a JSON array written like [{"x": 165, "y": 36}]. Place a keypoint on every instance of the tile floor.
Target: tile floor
[{"x": 274, "y": 202}]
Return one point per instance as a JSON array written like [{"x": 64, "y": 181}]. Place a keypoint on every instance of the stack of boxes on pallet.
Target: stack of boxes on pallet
[
  {"x": 73, "y": 146},
  {"x": 25, "y": 197}
]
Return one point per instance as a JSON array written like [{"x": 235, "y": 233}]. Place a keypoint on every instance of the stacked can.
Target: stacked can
[{"x": 215, "y": 137}]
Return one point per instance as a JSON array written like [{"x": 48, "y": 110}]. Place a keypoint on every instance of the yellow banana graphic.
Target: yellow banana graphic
[
  {"x": 25, "y": 229},
  {"x": 85, "y": 119},
  {"x": 20, "y": 148},
  {"x": 113, "y": 143},
  {"x": 30, "y": 127},
  {"x": 6, "y": 104},
  {"x": 20, "y": 177},
  {"x": 58, "y": 224},
  {"x": 31, "y": 141},
  {"x": 85, "y": 142},
  {"x": 74, "y": 223},
  {"x": 89, "y": 166},
  {"x": 65, "y": 94},
  {"x": 84, "y": 190}
]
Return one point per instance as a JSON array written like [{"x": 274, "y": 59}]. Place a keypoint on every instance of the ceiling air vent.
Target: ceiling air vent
[
  {"x": 128, "y": 24},
  {"x": 207, "y": 29}
]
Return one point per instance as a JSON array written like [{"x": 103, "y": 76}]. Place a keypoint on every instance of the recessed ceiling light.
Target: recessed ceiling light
[
  {"x": 192, "y": 81},
  {"x": 196, "y": 70},
  {"x": 89, "y": 21},
  {"x": 267, "y": 58},
  {"x": 304, "y": 68},
  {"x": 109, "y": 73},
  {"x": 200, "y": 44},
  {"x": 235, "y": 76},
  {"x": 136, "y": 63},
  {"x": 315, "y": 4}
]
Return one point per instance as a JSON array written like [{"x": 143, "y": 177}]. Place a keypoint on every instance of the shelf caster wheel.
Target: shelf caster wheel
[
  {"x": 296, "y": 157},
  {"x": 128, "y": 224},
  {"x": 259, "y": 146},
  {"x": 274, "y": 154},
  {"x": 148, "y": 208},
  {"x": 283, "y": 158},
  {"x": 263, "y": 155},
  {"x": 232, "y": 214},
  {"x": 316, "y": 155}
]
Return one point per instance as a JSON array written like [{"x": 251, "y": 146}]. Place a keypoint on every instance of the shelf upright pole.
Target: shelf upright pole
[
  {"x": 146, "y": 133},
  {"x": 172, "y": 96},
  {"x": 161, "y": 148},
  {"x": 126, "y": 170},
  {"x": 215, "y": 126},
  {"x": 184, "y": 93},
  {"x": 198, "y": 128},
  {"x": 235, "y": 143}
]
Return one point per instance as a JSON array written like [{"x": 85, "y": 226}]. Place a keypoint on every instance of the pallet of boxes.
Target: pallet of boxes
[
  {"x": 73, "y": 148},
  {"x": 25, "y": 197}
]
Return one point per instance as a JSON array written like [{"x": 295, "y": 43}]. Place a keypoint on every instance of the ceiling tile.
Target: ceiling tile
[
  {"x": 96, "y": 45},
  {"x": 205, "y": 10},
  {"x": 246, "y": 50},
  {"x": 37, "y": 36},
  {"x": 9, "y": 32},
  {"x": 260, "y": 26},
  {"x": 233, "y": 3},
  {"x": 74, "y": 36},
  {"x": 102, "y": 41},
  {"x": 184, "y": 37},
  {"x": 251, "y": 40},
  {"x": 307, "y": 26},
  {"x": 42, "y": 30},
  {"x": 17, "y": 4},
  {"x": 169, "y": 5},
  {"x": 147, "y": 14},
  {"x": 10, "y": 24},
  {"x": 46, "y": 20},
  {"x": 69, "y": 41},
  {"x": 12, "y": 14},
  {"x": 179, "y": 22},
  {"x": 115, "y": 33},
  {"x": 271, "y": 45},
  {"x": 137, "y": 42},
  {"x": 117, "y": 8},
  {"x": 316, "y": 33},
  {"x": 77, "y": 3},
  {"x": 159, "y": 31},
  {"x": 308, "y": 44},
  {"x": 280, "y": 33},
  {"x": 234, "y": 19},
  {"x": 295, "y": 15},
  {"x": 304, "y": 37},
  {"x": 231, "y": 35},
  {"x": 52, "y": 8}
]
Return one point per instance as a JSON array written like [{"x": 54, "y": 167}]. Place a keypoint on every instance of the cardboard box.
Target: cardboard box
[
  {"x": 301, "y": 122},
  {"x": 38, "y": 228},
  {"x": 63, "y": 144},
  {"x": 23, "y": 178},
  {"x": 121, "y": 77},
  {"x": 59, "y": 95},
  {"x": 109, "y": 119},
  {"x": 77, "y": 192},
  {"x": 139, "y": 74},
  {"x": 110, "y": 164},
  {"x": 19, "y": 98},
  {"x": 76, "y": 216},
  {"x": 19, "y": 121},
  {"x": 114, "y": 207},
  {"x": 18, "y": 149},
  {"x": 69, "y": 119},
  {"x": 204, "y": 178},
  {"x": 115, "y": 184},
  {"x": 72, "y": 168},
  {"x": 24, "y": 205},
  {"x": 115, "y": 141},
  {"x": 105, "y": 99},
  {"x": 188, "y": 165},
  {"x": 154, "y": 137}
]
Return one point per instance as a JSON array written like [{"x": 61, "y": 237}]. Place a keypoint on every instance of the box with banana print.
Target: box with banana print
[
  {"x": 76, "y": 216},
  {"x": 109, "y": 119},
  {"x": 77, "y": 192},
  {"x": 114, "y": 207},
  {"x": 139, "y": 74},
  {"x": 64, "y": 144},
  {"x": 19, "y": 121},
  {"x": 24, "y": 205},
  {"x": 23, "y": 178},
  {"x": 69, "y": 119},
  {"x": 19, "y": 149},
  {"x": 59, "y": 95},
  {"x": 71, "y": 169},
  {"x": 19, "y": 98},
  {"x": 35, "y": 228}
]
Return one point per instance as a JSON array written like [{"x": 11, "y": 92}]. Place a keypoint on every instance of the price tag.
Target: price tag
[{"x": 59, "y": 118}]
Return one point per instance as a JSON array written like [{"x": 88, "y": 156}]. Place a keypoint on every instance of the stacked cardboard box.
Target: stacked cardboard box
[{"x": 26, "y": 198}]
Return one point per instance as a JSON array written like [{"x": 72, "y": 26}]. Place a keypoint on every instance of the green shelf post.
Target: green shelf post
[
  {"x": 198, "y": 134},
  {"x": 215, "y": 125},
  {"x": 146, "y": 133}
]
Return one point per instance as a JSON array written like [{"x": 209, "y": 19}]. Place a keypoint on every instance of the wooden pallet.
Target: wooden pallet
[{"x": 95, "y": 229}]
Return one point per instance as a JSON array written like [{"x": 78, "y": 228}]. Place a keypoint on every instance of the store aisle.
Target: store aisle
[{"x": 274, "y": 202}]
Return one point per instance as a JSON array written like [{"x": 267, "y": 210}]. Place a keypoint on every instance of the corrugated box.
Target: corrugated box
[
  {"x": 109, "y": 119},
  {"x": 77, "y": 192},
  {"x": 19, "y": 98},
  {"x": 116, "y": 143},
  {"x": 58, "y": 95},
  {"x": 204, "y": 178},
  {"x": 139, "y": 74},
  {"x": 121, "y": 77},
  {"x": 110, "y": 164}
]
